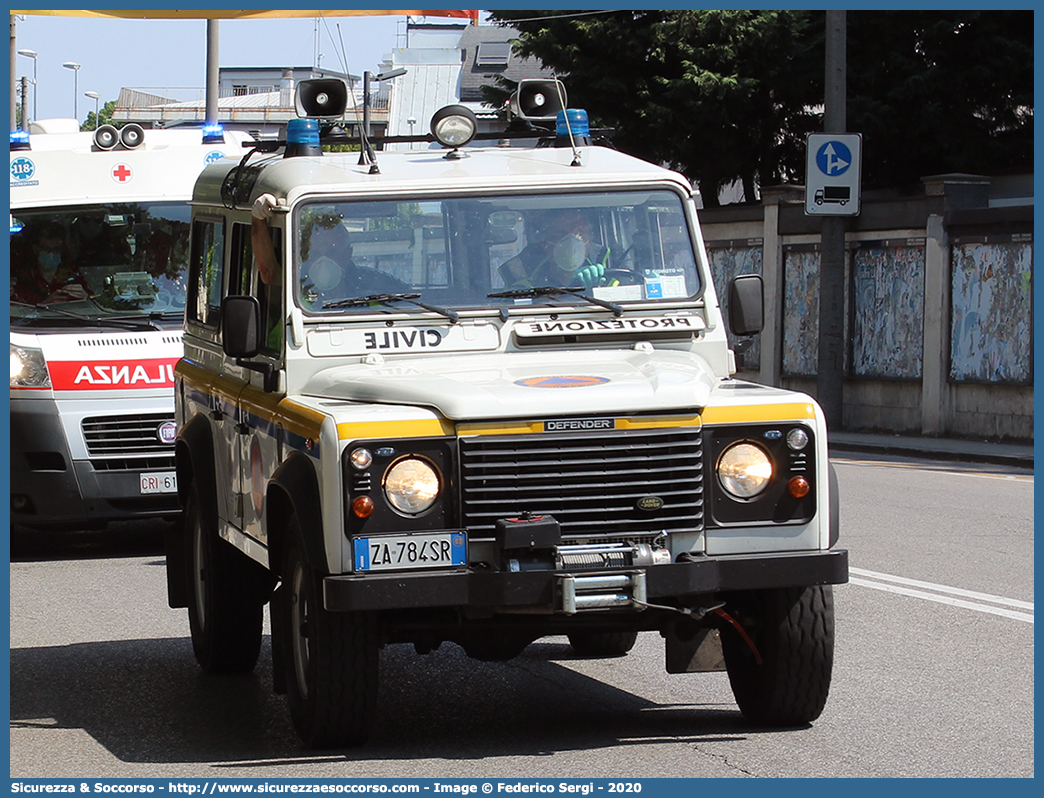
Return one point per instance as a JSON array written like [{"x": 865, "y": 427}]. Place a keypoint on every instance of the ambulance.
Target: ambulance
[
  {"x": 99, "y": 253},
  {"x": 412, "y": 410}
]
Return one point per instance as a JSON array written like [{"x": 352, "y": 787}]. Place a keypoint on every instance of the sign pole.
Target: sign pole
[{"x": 830, "y": 364}]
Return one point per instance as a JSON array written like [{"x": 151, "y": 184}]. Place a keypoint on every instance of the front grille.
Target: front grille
[
  {"x": 153, "y": 463},
  {"x": 590, "y": 482},
  {"x": 119, "y": 436}
]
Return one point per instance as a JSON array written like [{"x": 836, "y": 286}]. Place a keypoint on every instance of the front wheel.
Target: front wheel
[
  {"x": 227, "y": 594},
  {"x": 331, "y": 658},
  {"x": 793, "y": 632}
]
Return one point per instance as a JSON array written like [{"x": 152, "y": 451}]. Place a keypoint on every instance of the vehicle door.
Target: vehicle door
[{"x": 258, "y": 433}]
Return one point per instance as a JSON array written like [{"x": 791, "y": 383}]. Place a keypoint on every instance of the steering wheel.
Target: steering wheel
[{"x": 623, "y": 276}]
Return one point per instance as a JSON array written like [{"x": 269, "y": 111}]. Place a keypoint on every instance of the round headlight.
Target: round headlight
[
  {"x": 744, "y": 470},
  {"x": 411, "y": 486},
  {"x": 454, "y": 125}
]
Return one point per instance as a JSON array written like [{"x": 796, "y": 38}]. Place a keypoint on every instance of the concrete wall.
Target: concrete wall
[{"x": 938, "y": 308}]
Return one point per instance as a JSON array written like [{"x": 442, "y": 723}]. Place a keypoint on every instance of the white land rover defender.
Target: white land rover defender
[{"x": 442, "y": 419}]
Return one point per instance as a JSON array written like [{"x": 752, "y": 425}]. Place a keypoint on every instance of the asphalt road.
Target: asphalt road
[{"x": 933, "y": 674}]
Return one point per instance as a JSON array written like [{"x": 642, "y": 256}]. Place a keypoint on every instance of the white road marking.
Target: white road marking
[
  {"x": 940, "y": 594},
  {"x": 934, "y": 469}
]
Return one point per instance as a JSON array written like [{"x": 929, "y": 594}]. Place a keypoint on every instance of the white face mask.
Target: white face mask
[
  {"x": 570, "y": 253},
  {"x": 325, "y": 273}
]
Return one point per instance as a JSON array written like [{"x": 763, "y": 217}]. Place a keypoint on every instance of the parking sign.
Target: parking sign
[{"x": 833, "y": 168}]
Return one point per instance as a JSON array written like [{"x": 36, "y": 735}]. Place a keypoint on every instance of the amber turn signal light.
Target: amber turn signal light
[
  {"x": 798, "y": 487},
  {"x": 362, "y": 507}
]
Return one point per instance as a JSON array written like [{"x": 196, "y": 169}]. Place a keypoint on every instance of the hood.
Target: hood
[{"x": 517, "y": 385}]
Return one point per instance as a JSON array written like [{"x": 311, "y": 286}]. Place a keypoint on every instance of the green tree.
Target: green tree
[
  {"x": 936, "y": 92},
  {"x": 105, "y": 115},
  {"x": 717, "y": 95},
  {"x": 729, "y": 95}
]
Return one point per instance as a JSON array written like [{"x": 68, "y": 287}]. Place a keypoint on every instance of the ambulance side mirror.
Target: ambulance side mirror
[
  {"x": 240, "y": 325},
  {"x": 746, "y": 305}
]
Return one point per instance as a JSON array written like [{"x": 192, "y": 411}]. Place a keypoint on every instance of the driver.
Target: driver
[
  {"x": 328, "y": 270},
  {"x": 564, "y": 253},
  {"x": 50, "y": 276}
]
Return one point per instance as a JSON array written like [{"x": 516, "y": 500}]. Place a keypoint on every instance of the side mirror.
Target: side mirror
[
  {"x": 746, "y": 305},
  {"x": 240, "y": 326}
]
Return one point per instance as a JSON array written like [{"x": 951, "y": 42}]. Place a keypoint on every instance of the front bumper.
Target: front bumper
[
  {"x": 493, "y": 590},
  {"x": 52, "y": 488}
]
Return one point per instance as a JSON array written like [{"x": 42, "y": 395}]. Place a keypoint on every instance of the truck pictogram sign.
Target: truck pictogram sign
[{"x": 832, "y": 174}]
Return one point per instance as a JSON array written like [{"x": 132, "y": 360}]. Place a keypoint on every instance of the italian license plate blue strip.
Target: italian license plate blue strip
[{"x": 410, "y": 552}]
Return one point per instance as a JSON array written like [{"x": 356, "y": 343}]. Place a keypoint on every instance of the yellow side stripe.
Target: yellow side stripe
[
  {"x": 419, "y": 428},
  {"x": 295, "y": 418},
  {"x": 273, "y": 408},
  {"x": 742, "y": 414}
]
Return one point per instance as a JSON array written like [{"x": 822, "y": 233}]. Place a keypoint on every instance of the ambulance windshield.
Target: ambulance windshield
[
  {"x": 619, "y": 247},
  {"x": 99, "y": 261}
]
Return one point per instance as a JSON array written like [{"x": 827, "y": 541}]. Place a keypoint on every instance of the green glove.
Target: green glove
[{"x": 590, "y": 275}]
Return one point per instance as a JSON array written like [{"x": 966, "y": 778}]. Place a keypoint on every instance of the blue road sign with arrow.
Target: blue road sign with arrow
[{"x": 832, "y": 174}]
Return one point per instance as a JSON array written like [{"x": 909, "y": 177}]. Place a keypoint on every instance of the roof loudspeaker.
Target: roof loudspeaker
[
  {"x": 322, "y": 98},
  {"x": 132, "y": 136},
  {"x": 106, "y": 137},
  {"x": 538, "y": 100}
]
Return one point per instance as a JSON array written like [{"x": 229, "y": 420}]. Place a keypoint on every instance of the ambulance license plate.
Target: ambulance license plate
[
  {"x": 159, "y": 482},
  {"x": 410, "y": 552}
]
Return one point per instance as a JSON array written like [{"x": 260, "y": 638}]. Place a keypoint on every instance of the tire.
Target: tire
[
  {"x": 226, "y": 597},
  {"x": 602, "y": 644},
  {"x": 331, "y": 658},
  {"x": 793, "y": 630}
]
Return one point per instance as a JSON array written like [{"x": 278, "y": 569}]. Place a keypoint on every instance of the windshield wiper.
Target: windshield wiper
[
  {"x": 550, "y": 290},
  {"x": 120, "y": 324},
  {"x": 387, "y": 299},
  {"x": 151, "y": 315}
]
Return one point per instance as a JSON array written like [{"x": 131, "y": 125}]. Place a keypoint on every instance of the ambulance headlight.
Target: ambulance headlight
[
  {"x": 744, "y": 470},
  {"x": 411, "y": 485},
  {"x": 454, "y": 126},
  {"x": 28, "y": 368}
]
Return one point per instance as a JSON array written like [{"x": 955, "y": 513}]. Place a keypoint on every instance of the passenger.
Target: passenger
[
  {"x": 563, "y": 253},
  {"x": 45, "y": 273}
]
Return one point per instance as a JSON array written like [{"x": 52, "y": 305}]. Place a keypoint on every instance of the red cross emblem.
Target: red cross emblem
[{"x": 121, "y": 173}]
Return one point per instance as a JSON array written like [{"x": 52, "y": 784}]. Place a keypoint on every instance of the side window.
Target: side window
[
  {"x": 245, "y": 280},
  {"x": 208, "y": 268}
]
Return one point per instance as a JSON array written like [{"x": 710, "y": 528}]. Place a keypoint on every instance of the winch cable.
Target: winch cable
[
  {"x": 700, "y": 612},
  {"x": 735, "y": 624}
]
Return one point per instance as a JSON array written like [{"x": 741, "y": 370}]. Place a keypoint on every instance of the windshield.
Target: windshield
[
  {"x": 617, "y": 247},
  {"x": 99, "y": 261}
]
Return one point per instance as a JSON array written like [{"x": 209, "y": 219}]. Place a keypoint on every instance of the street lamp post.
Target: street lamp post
[
  {"x": 76, "y": 87},
  {"x": 32, "y": 54},
  {"x": 367, "y": 77},
  {"x": 97, "y": 102}
]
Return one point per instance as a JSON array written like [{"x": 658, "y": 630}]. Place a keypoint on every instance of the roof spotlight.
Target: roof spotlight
[{"x": 454, "y": 126}]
